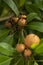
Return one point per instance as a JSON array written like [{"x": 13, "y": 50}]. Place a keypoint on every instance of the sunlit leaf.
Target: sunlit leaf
[
  {"x": 4, "y": 60},
  {"x": 6, "y": 49},
  {"x": 39, "y": 49}
]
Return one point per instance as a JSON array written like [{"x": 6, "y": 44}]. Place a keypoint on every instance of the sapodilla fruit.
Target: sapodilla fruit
[
  {"x": 31, "y": 41},
  {"x": 15, "y": 19},
  {"x": 20, "y": 47},
  {"x": 7, "y": 24},
  {"x": 23, "y": 16},
  {"x": 27, "y": 52},
  {"x": 22, "y": 22}
]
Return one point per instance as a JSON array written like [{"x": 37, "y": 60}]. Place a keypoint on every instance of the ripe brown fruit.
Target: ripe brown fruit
[
  {"x": 27, "y": 52},
  {"x": 15, "y": 19},
  {"x": 7, "y": 24},
  {"x": 22, "y": 22},
  {"x": 20, "y": 47},
  {"x": 32, "y": 40},
  {"x": 23, "y": 16}
]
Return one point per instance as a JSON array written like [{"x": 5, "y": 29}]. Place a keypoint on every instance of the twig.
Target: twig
[
  {"x": 5, "y": 18},
  {"x": 38, "y": 60}
]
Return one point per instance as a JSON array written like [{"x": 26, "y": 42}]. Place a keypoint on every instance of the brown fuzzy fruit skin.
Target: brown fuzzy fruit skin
[
  {"x": 31, "y": 39},
  {"x": 27, "y": 52},
  {"x": 20, "y": 47},
  {"x": 15, "y": 19},
  {"x": 7, "y": 24},
  {"x": 23, "y": 16},
  {"x": 22, "y": 22}
]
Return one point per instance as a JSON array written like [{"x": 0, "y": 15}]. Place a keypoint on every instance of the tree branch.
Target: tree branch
[{"x": 5, "y": 18}]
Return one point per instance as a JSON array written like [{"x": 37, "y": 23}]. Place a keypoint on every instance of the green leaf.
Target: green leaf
[
  {"x": 16, "y": 37},
  {"x": 3, "y": 33},
  {"x": 12, "y": 5},
  {"x": 39, "y": 4},
  {"x": 9, "y": 39},
  {"x": 16, "y": 60},
  {"x": 35, "y": 63},
  {"x": 41, "y": 40},
  {"x": 32, "y": 16},
  {"x": 1, "y": 7},
  {"x": 30, "y": 61},
  {"x": 21, "y": 3},
  {"x": 6, "y": 49},
  {"x": 21, "y": 38},
  {"x": 27, "y": 6},
  {"x": 39, "y": 58},
  {"x": 4, "y": 60},
  {"x": 39, "y": 49},
  {"x": 20, "y": 62},
  {"x": 4, "y": 12},
  {"x": 36, "y": 26},
  {"x": 32, "y": 7}
]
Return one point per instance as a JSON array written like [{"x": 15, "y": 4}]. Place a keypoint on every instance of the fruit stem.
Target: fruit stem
[{"x": 26, "y": 61}]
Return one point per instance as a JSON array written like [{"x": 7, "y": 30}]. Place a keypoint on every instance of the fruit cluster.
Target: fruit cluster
[
  {"x": 21, "y": 21},
  {"x": 30, "y": 42}
]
